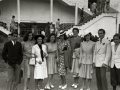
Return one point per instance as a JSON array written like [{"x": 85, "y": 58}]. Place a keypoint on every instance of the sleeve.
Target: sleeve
[
  {"x": 46, "y": 51},
  {"x": 20, "y": 54},
  {"x": 4, "y": 52},
  {"x": 108, "y": 53},
  {"x": 94, "y": 53}
]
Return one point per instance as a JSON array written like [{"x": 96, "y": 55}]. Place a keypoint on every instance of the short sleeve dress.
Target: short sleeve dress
[
  {"x": 61, "y": 66},
  {"x": 51, "y": 59}
]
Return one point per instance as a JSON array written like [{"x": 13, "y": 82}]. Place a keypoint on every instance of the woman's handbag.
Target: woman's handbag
[{"x": 32, "y": 61}]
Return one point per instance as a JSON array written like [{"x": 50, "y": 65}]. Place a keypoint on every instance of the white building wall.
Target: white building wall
[
  {"x": 36, "y": 10},
  {"x": 106, "y": 23}
]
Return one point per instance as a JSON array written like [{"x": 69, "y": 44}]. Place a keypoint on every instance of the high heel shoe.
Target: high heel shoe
[
  {"x": 47, "y": 87},
  {"x": 64, "y": 87},
  {"x": 60, "y": 86},
  {"x": 52, "y": 86},
  {"x": 73, "y": 84}
]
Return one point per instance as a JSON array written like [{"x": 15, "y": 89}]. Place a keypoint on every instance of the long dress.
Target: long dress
[
  {"x": 75, "y": 43},
  {"x": 40, "y": 71},
  {"x": 86, "y": 59},
  {"x": 61, "y": 66},
  {"x": 51, "y": 59}
]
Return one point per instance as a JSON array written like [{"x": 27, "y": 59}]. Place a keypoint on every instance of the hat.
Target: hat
[
  {"x": 61, "y": 33},
  {"x": 37, "y": 36}
]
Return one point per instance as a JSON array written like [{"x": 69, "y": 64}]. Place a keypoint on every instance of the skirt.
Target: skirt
[
  {"x": 51, "y": 64},
  {"x": 26, "y": 70},
  {"x": 75, "y": 67},
  {"x": 86, "y": 71}
]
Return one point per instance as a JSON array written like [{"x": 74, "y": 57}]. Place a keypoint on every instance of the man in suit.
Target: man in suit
[
  {"x": 13, "y": 56},
  {"x": 102, "y": 55}
]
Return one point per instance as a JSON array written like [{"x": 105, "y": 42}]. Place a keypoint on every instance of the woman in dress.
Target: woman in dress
[
  {"x": 115, "y": 62},
  {"x": 39, "y": 50},
  {"x": 27, "y": 51},
  {"x": 51, "y": 59},
  {"x": 63, "y": 45},
  {"x": 75, "y": 43},
  {"x": 86, "y": 61}
]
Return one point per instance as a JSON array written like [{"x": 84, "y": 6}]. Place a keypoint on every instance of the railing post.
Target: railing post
[
  {"x": 51, "y": 10},
  {"x": 76, "y": 13},
  {"x": 18, "y": 10}
]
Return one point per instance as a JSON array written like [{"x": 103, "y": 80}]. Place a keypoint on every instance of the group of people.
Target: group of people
[
  {"x": 100, "y": 6},
  {"x": 42, "y": 59},
  {"x": 4, "y": 25}
]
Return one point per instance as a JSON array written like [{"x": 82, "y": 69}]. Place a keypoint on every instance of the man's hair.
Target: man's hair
[
  {"x": 14, "y": 33},
  {"x": 102, "y": 30},
  {"x": 13, "y": 16}
]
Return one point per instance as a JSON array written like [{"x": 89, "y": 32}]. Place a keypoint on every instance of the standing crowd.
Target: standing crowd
[{"x": 42, "y": 58}]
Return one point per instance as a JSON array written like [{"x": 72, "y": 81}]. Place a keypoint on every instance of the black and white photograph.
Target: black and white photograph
[{"x": 59, "y": 44}]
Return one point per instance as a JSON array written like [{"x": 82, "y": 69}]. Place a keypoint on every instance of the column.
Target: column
[
  {"x": 18, "y": 11},
  {"x": 76, "y": 13},
  {"x": 51, "y": 10}
]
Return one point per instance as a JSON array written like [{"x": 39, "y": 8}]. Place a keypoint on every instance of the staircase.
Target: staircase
[
  {"x": 80, "y": 3},
  {"x": 2, "y": 29},
  {"x": 105, "y": 21}
]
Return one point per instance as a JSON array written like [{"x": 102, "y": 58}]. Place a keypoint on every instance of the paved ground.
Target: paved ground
[{"x": 56, "y": 82}]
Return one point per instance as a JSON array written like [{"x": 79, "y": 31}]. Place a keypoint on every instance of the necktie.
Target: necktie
[{"x": 41, "y": 51}]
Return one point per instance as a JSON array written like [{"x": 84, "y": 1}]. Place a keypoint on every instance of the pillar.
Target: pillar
[
  {"x": 18, "y": 11},
  {"x": 76, "y": 13},
  {"x": 51, "y": 10}
]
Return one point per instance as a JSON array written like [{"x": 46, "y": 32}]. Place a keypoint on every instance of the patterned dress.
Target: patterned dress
[{"x": 61, "y": 66}]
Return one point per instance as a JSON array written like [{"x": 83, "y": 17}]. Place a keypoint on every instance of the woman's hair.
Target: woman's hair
[
  {"x": 25, "y": 38},
  {"x": 86, "y": 36},
  {"x": 52, "y": 34},
  {"x": 116, "y": 35},
  {"x": 65, "y": 37},
  {"x": 37, "y": 42}
]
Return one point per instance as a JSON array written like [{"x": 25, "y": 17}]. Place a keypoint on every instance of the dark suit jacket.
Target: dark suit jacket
[{"x": 12, "y": 54}]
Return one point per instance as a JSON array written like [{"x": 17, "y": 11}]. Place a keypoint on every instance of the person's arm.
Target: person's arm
[
  {"x": 20, "y": 55},
  {"x": 94, "y": 54},
  {"x": 108, "y": 53},
  {"x": 4, "y": 52}
]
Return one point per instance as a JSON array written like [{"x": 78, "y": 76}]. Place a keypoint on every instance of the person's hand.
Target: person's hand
[
  {"x": 104, "y": 65},
  {"x": 44, "y": 54},
  {"x": 57, "y": 60},
  {"x": 93, "y": 65},
  {"x": 80, "y": 65},
  {"x": 40, "y": 62}
]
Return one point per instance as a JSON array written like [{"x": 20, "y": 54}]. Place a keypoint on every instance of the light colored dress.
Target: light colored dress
[
  {"x": 40, "y": 71},
  {"x": 75, "y": 42},
  {"x": 75, "y": 64},
  {"x": 86, "y": 59},
  {"x": 51, "y": 60},
  {"x": 61, "y": 67},
  {"x": 27, "y": 51}
]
